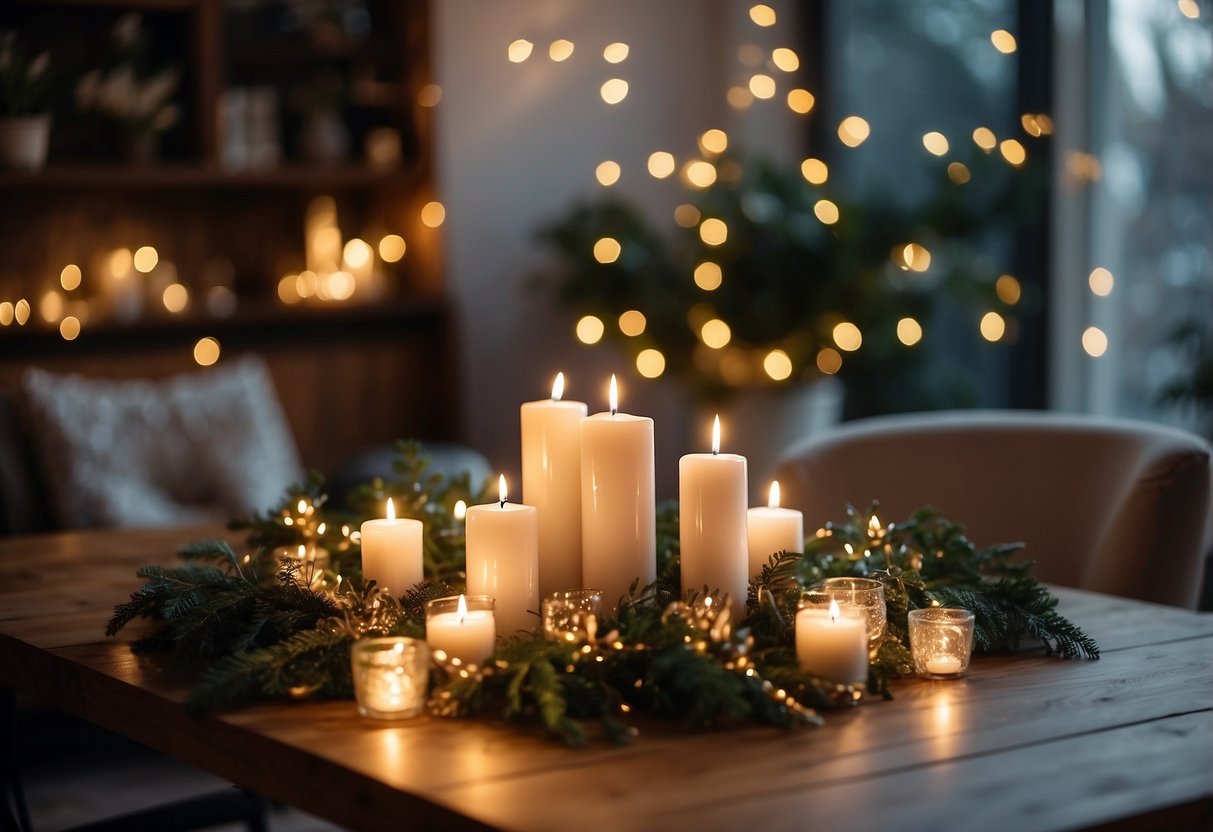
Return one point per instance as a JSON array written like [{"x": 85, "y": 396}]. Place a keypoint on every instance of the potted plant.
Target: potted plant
[
  {"x": 25, "y": 119},
  {"x": 135, "y": 99}
]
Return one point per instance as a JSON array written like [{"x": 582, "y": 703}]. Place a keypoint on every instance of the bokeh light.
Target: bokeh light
[
  {"x": 826, "y": 211},
  {"x": 700, "y": 174},
  {"x": 615, "y": 53},
  {"x": 714, "y": 141},
  {"x": 815, "y": 171},
  {"x": 392, "y": 248},
  {"x": 762, "y": 15},
  {"x": 708, "y": 276},
  {"x": 829, "y": 360},
  {"x": 70, "y": 277},
  {"x": 590, "y": 329},
  {"x": 175, "y": 297},
  {"x": 357, "y": 253},
  {"x": 607, "y": 173},
  {"x": 661, "y": 164},
  {"x": 560, "y": 50},
  {"x": 632, "y": 322},
  {"x": 800, "y": 101},
  {"x": 206, "y": 351},
  {"x": 777, "y": 365},
  {"x": 762, "y": 86},
  {"x": 785, "y": 59},
  {"x": 716, "y": 333},
  {"x": 607, "y": 249},
  {"x": 984, "y": 138},
  {"x": 713, "y": 231},
  {"x": 1094, "y": 341},
  {"x": 429, "y": 95},
  {"x": 1003, "y": 41},
  {"x": 1008, "y": 289},
  {"x": 935, "y": 142},
  {"x": 145, "y": 259},
  {"x": 1101, "y": 281},
  {"x": 650, "y": 363},
  {"x": 847, "y": 336},
  {"x": 69, "y": 328},
  {"x": 687, "y": 215},
  {"x": 520, "y": 50},
  {"x": 993, "y": 326},
  {"x": 614, "y": 90},
  {"x": 853, "y": 131},
  {"x": 1013, "y": 152},
  {"x": 433, "y": 214},
  {"x": 958, "y": 173},
  {"x": 909, "y": 331}
]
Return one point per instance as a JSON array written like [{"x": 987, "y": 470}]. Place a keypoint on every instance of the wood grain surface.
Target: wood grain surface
[{"x": 1025, "y": 742}]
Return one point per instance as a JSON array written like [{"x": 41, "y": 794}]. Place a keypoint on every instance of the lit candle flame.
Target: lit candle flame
[
  {"x": 773, "y": 501},
  {"x": 463, "y": 608},
  {"x": 614, "y": 397},
  {"x": 834, "y": 611},
  {"x": 461, "y": 509},
  {"x": 391, "y": 509},
  {"x": 302, "y": 551},
  {"x": 716, "y": 435},
  {"x": 558, "y": 387},
  {"x": 501, "y": 490},
  {"x": 320, "y": 529},
  {"x": 303, "y": 506}
]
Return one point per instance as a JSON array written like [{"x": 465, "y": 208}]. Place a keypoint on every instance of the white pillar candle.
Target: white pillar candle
[
  {"x": 832, "y": 645},
  {"x": 503, "y": 560},
  {"x": 469, "y": 635},
  {"x": 773, "y": 529},
  {"x": 551, "y": 482},
  {"x": 712, "y": 523},
  {"x": 392, "y": 552},
  {"x": 618, "y": 506}
]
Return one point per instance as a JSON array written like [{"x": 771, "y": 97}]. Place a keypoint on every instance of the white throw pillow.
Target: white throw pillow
[{"x": 193, "y": 448}]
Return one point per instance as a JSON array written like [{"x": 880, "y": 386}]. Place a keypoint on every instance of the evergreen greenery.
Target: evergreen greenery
[{"x": 262, "y": 630}]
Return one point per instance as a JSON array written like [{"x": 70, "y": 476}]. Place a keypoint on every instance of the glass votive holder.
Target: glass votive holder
[
  {"x": 572, "y": 615},
  {"x": 461, "y": 629},
  {"x": 866, "y": 594},
  {"x": 941, "y": 640},
  {"x": 391, "y": 676}
]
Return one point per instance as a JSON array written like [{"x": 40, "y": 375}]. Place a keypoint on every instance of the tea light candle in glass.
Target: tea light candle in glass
[
  {"x": 461, "y": 629},
  {"x": 391, "y": 676},
  {"x": 941, "y": 640},
  {"x": 865, "y": 594},
  {"x": 572, "y": 615},
  {"x": 832, "y": 642}
]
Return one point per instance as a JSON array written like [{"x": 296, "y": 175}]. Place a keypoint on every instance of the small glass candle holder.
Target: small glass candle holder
[
  {"x": 572, "y": 616},
  {"x": 461, "y": 629},
  {"x": 866, "y": 594},
  {"x": 391, "y": 676},
  {"x": 941, "y": 639}
]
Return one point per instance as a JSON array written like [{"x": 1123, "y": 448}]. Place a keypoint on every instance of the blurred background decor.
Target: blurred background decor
[{"x": 25, "y": 104}]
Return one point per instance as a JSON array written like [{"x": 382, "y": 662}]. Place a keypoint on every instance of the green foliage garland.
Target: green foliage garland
[{"x": 282, "y": 632}]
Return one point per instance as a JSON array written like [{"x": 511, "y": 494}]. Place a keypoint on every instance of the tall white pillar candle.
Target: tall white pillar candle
[
  {"x": 712, "y": 505},
  {"x": 392, "y": 552},
  {"x": 618, "y": 503},
  {"x": 773, "y": 529},
  {"x": 551, "y": 482},
  {"x": 503, "y": 560},
  {"x": 832, "y": 645}
]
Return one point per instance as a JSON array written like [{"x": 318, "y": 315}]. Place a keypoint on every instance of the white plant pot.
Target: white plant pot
[{"x": 23, "y": 142}]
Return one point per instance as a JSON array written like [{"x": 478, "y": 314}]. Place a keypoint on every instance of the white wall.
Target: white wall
[{"x": 517, "y": 144}]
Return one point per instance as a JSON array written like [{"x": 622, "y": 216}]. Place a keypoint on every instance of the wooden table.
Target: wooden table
[{"x": 1022, "y": 743}]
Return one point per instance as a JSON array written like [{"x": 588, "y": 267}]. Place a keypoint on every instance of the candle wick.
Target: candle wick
[
  {"x": 502, "y": 503},
  {"x": 614, "y": 410}
]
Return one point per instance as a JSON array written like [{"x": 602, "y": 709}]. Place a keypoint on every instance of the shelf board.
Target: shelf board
[{"x": 170, "y": 175}]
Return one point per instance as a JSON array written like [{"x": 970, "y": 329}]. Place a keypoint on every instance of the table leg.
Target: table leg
[{"x": 15, "y": 814}]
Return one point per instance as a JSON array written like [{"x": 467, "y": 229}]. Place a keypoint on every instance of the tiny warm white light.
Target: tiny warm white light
[
  {"x": 614, "y": 90},
  {"x": 69, "y": 328},
  {"x": 984, "y": 138},
  {"x": 773, "y": 499},
  {"x": 762, "y": 15},
  {"x": 615, "y": 53},
  {"x": 175, "y": 297},
  {"x": 715, "y": 333},
  {"x": 786, "y": 59},
  {"x": 714, "y": 141},
  {"x": 632, "y": 323},
  {"x": 650, "y": 363},
  {"x": 801, "y": 101},
  {"x": 853, "y": 131},
  {"x": 1013, "y": 152},
  {"x": 429, "y": 95},
  {"x": 357, "y": 253},
  {"x": 69, "y": 278},
  {"x": 1003, "y": 41},
  {"x": 993, "y": 326},
  {"x": 392, "y": 248},
  {"x": 590, "y": 329},
  {"x": 916, "y": 257},
  {"x": 433, "y": 214},
  {"x": 520, "y": 50},
  {"x": 145, "y": 259},
  {"x": 1008, "y": 289},
  {"x": 847, "y": 336},
  {"x": 607, "y": 173},
  {"x": 1094, "y": 341},
  {"x": 708, "y": 276},
  {"x": 713, "y": 232},
  {"x": 815, "y": 171},
  {"x": 461, "y": 510},
  {"x": 1101, "y": 281},
  {"x": 560, "y": 50},
  {"x": 206, "y": 351},
  {"x": 958, "y": 173},
  {"x": 661, "y": 164},
  {"x": 607, "y": 249},
  {"x": 826, "y": 211},
  {"x": 762, "y": 86},
  {"x": 778, "y": 365},
  {"x": 909, "y": 331},
  {"x": 935, "y": 142},
  {"x": 700, "y": 174}
]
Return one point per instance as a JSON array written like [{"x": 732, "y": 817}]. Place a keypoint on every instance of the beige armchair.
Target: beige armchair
[{"x": 1116, "y": 506}]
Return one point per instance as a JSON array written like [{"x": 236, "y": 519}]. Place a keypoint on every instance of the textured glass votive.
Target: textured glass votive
[
  {"x": 572, "y": 615},
  {"x": 391, "y": 676},
  {"x": 941, "y": 639},
  {"x": 866, "y": 594}
]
